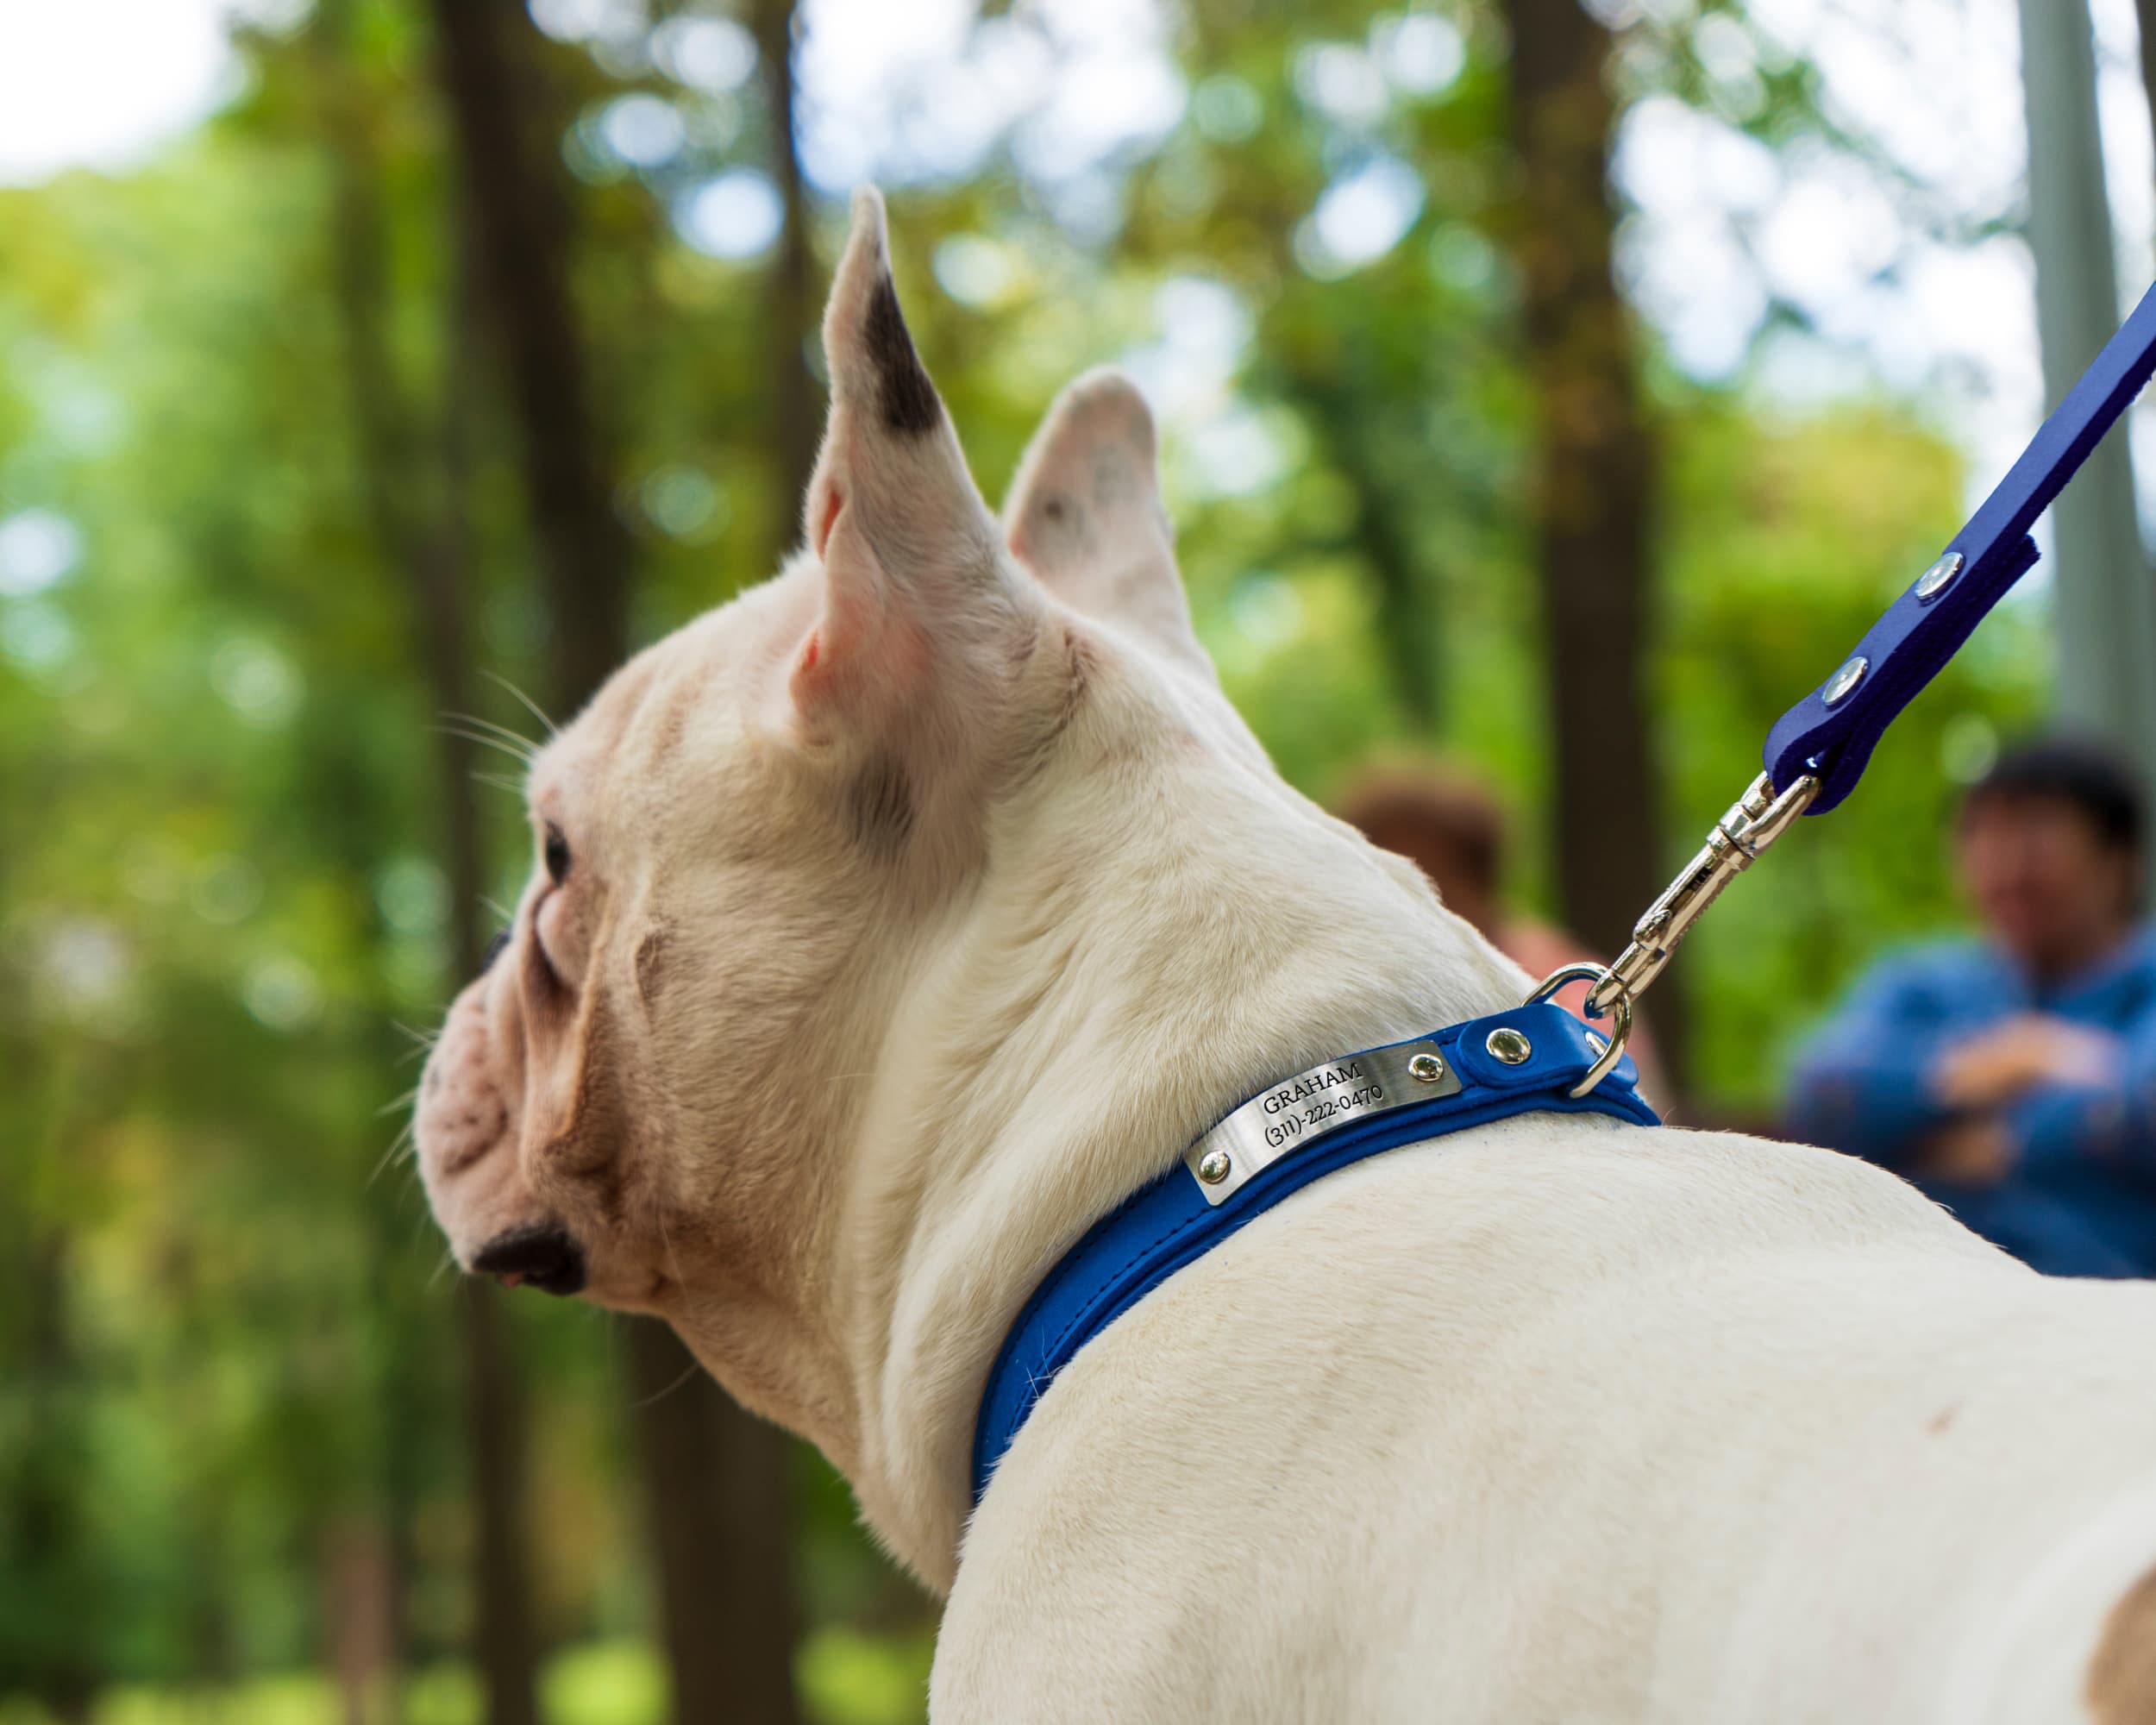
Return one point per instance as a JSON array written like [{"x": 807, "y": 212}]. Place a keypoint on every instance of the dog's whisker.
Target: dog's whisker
[
  {"x": 501, "y": 781},
  {"x": 530, "y": 706},
  {"x": 516, "y": 751},
  {"x": 425, "y": 1039},
  {"x": 402, "y": 1145},
  {"x": 658, "y": 1396},
  {"x": 485, "y": 724},
  {"x": 396, "y": 1102},
  {"x": 523, "y": 747},
  {"x": 491, "y": 728},
  {"x": 496, "y": 736},
  {"x": 666, "y": 1239}
]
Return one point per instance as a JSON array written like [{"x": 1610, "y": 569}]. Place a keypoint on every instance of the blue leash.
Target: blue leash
[
  {"x": 1829, "y": 735},
  {"x": 1538, "y": 1058}
]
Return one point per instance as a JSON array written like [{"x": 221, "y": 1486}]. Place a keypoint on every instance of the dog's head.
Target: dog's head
[{"x": 744, "y": 842}]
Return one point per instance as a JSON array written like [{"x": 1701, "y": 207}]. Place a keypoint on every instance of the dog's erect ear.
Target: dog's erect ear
[
  {"x": 1084, "y": 514},
  {"x": 915, "y": 582}
]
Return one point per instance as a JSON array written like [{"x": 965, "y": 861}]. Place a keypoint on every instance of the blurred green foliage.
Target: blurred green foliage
[
  {"x": 845, "y": 1679},
  {"x": 225, "y": 1334}
]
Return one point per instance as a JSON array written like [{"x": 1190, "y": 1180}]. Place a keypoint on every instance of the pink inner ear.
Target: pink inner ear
[{"x": 832, "y": 504}]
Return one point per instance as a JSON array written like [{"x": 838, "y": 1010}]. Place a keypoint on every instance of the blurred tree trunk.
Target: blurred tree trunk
[
  {"x": 413, "y": 485},
  {"x": 1410, "y": 622},
  {"x": 1594, "y": 482},
  {"x": 2105, "y": 605},
  {"x": 716, "y": 1491},
  {"x": 48, "y": 1509},
  {"x": 716, "y": 1479},
  {"x": 796, "y": 404},
  {"x": 512, "y": 225},
  {"x": 359, "y": 1598},
  {"x": 518, "y": 215},
  {"x": 2145, "y": 15},
  {"x": 506, "y": 1643}
]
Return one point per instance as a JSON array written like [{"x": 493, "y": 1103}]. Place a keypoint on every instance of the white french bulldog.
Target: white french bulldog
[{"x": 897, "y": 920}]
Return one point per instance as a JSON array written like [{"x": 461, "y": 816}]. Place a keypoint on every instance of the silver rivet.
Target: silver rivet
[
  {"x": 1846, "y": 679},
  {"x": 1425, "y": 1069},
  {"x": 1213, "y": 1167},
  {"x": 1595, "y": 1043},
  {"x": 1934, "y": 580},
  {"x": 1508, "y": 1045}
]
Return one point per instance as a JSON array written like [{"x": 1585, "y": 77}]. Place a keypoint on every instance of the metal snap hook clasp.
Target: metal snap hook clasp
[{"x": 1620, "y": 1019}]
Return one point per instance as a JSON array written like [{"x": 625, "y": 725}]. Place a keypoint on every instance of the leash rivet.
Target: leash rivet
[
  {"x": 1843, "y": 682},
  {"x": 1596, "y": 1043},
  {"x": 1934, "y": 580},
  {"x": 1425, "y": 1069},
  {"x": 1508, "y": 1045},
  {"x": 1213, "y": 1167}
]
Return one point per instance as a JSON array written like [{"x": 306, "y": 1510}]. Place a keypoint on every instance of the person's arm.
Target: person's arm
[
  {"x": 1863, "y": 1083},
  {"x": 2107, "y": 1111},
  {"x": 2058, "y": 1123},
  {"x": 2059, "y": 1090},
  {"x": 2135, "y": 1143}
]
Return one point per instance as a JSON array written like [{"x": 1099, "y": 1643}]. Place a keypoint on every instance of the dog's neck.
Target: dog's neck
[{"x": 1164, "y": 927}]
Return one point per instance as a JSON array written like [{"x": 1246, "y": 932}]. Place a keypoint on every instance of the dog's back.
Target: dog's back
[{"x": 1559, "y": 1421}]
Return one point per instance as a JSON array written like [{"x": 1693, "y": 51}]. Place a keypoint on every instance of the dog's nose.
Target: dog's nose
[{"x": 542, "y": 1256}]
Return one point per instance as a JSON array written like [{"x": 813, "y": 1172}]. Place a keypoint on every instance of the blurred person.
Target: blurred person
[
  {"x": 1456, "y": 831},
  {"x": 2013, "y": 1077}
]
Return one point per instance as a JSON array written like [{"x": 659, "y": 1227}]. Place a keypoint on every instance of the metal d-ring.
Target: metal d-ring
[{"x": 1620, "y": 1019}]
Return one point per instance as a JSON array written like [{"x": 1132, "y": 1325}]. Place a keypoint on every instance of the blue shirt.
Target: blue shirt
[{"x": 2080, "y": 1198}]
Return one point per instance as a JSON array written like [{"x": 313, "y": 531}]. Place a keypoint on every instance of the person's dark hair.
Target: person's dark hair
[
  {"x": 1406, "y": 810},
  {"x": 2091, "y": 776}
]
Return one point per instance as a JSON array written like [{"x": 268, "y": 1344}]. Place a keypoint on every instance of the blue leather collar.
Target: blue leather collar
[{"x": 1167, "y": 1224}]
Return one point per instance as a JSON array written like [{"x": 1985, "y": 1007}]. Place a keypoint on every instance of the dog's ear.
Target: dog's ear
[
  {"x": 916, "y": 587},
  {"x": 1084, "y": 514}
]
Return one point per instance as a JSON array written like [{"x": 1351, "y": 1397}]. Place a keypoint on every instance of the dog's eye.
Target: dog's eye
[{"x": 557, "y": 856}]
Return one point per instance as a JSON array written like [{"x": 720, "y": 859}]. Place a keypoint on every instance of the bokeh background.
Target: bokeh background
[{"x": 1552, "y": 388}]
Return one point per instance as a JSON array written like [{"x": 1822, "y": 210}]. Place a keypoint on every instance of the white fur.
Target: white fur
[{"x": 932, "y": 898}]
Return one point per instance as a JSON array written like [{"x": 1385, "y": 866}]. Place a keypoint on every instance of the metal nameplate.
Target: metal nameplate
[{"x": 1302, "y": 1110}]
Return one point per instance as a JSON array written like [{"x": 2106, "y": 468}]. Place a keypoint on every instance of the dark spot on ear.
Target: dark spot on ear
[
  {"x": 651, "y": 958},
  {"x": 911, "y": 406},
  {"x": 879, "y": 804}
]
